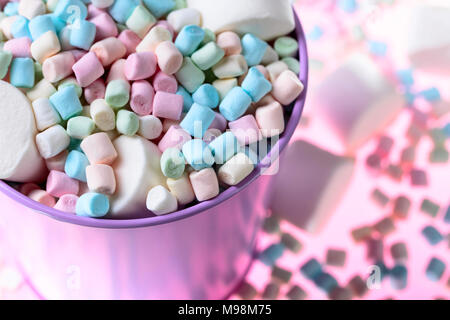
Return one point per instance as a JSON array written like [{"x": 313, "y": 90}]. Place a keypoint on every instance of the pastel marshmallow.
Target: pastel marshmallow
[
  {"x": 140, "y": 66},
  {"x": 154, "y": 37},
  {"x": 182, "y": 189},
  {"x": 287, "y": 87},
  {"x": 105, "y": 26},
  {"x": 31, "y": 8},
  {"x": 169, "y": 57},
  {"x": 57, "y": 162},
  {"x": 165, "y": 83},
  {"x": 96, "y": 90},
  {"x": 19, "y": 48},
  {"x": 230, "y": 43},
  {"x": 175, "y": 137},
  {"x": 142, "y": 94},
  {"x": 45, "y": 46},
  {"x": 103, "y": 115},
  {"x": 99, "y": 149},
  {"x": 167, "y": 105},
  {"x": 236, "y": 169},
  {"x": 58, "y": 67},
  {"x": 101, "y": 179},
  {"x": 44, "y": 113},
  {"x": 150, "y": 127},
  {"x": 109, "y": 50},
  {"x": 52, "y": 141},
  {"x": 160, "y": 201},
  {"x": 130, "y": 40},
  {"x": 42, "y": 197},
  {"x": 88, "y": 69},
  {"x": 184, "y": 17},
  {"x": 246, "y": 130},
  {"x": 230, "y": 67},
  {"x": 205, "y": 184},
  {"x": 67, "y": 203},
  {"x": 42, "y": 89},
  {"x": 270, "y": 119},
  {"x": 140, "y": 21},
  {"x": 59, "y": 184}
]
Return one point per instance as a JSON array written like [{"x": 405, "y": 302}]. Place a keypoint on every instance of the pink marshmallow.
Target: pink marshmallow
[
  {"x": 130, "y": 40},
  {"x": 219, "y": 122},
  {"x": 105, "y": 26},
  {"x": 205, "y": 184},
  {"x": 230, "y": 43},
  {"x": 164, "y": 82},
  {"x": 57, "y": 162},
  {"x": 77, "y": 54},
  {"x": 99, "y": 149},
  {"x": 170, "y": 58},
  {"x": 19, "y": 48},
  {"x": 116, "y": 71},
  {"x": 67, "y": 203},
  {"x": 26, "y": 188},
  {"x": 166, "y": 25},
  {"x": 42, "y": 197},
  {"x": 270, "y": 119},
  {"x": 88, "y": 69},
  {"x": 93, "y": 11},
  {"x": 109, "y": 50},
  {"x": 140, "y": 66},
  {"x": 167, "y": 105},
  {"x": 246, "y": 130},
  {"x": 58, "y": 67},
  {"x": 96, "y": 90},
  {"x": 175, "y": 137},
  {"x": 287, "y": 87},
  {"x": 101, "y": 179},
  {"x": 59, "y": 184},
  {"x": 142, "y": 94}
]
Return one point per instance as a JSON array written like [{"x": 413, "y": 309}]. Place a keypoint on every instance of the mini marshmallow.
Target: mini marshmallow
[
  {"x": 42, "y": 197},
  {"x": 182, "y": 190},
  {"x": 219, "y": 122},
  {"x": 80, "y": 127},
  {"x": 246, "y": 130},
  {"x": 230, "y": 43},
  {"x": 209, "y": 37},
  {"x": 223, "y": 86},
  {"x": 52, "y": 141},
  {"x": 43, "y": 89},
  {"x": 230, "y": 67},
  {"x": 19, "y": 48},
  {"x": 140, "y": 66},
  {"x": 96, "y": 90},
  {"x": 109, "y": 50},
  {"x": 164, "y": 82},
  {"x": 75, "y": 166},
  {"x": 154, "y": 37},
  {"x": 287, "y": 87},
  {"x": 59, "y": 184},
  {"x": 175, "y": 137},
  {"x": 82, "y": 34},
  {"x": 94, "y": 205},
  {"x": 253, "y": 49},
  {"x": 187, "y": 98},
  {"x": 235, "y": 104},
  {"x": 197, "y": 120},
  {"x": 256, "y": 85},
  {"x": 31, "y": 8},
  {"x": 105, "y": 26},
  {"x": 208, "y": 56},
  {"x": 117, "y": 93},
  {"x": 140, "y": 21},
  {"x": 58, "y": 67},
  {"x": 44, "y": 114},
  {"x": 270, "y": 119},
  {"x": 71, "y": 82},
  {"x": 160, "y": 201},
  {"x": 197, "y": 154},
  {"x": 159, "y": 8},
  {"x": 270, "y": 56},
  {"x": 150, "y": 127},
  {"x": 57, "y": 162},
  {"x": 206, "y": 96},
  {"x": 189, "y": 38},
  {"x": 190, "y": 76},
  {"x": 293, "y": 64},
  {"x": 6, "y": 25},
  {"x": 236, "y": 169},
  {"x": 99, "y": 149},
  {"x": 102, "y": 114},
  {"x": 286, "y": 47},
  {"x": 88, "y": 69},
  {"x": 122, "y": 9},
  {"x": 21, "y": 73},
  {"x": 67, "y": 203},
  {"x": 66, "y": 102},
  {"x": 64, "y": 38},
  {"x": 116, "y": 71},
  {"x": 166, "y": 25},
  {"x": 224, "y": 147},
  {"x": 130, "y": 40},
  {"x": 127, "y": 122},
  {"x": 20, "y": 28},
  {"x": 169, "y": 57},
  {"x": 40, "y": 25},
  {"x": 172, "y": 163},
  {"x": 142, "y": 94},
  {"x": 101, "y": 179},
  {"x": 205, "y": 184},
  {"x": 167, "y": 105}
]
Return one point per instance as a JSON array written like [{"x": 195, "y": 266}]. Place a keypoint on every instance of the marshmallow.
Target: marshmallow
[
  {"x": 102, "y": 4},
  {"x": 309, "y": 205},
  {"x": 130, "y": 40},
  {"x": 57, "y": 162},
  {"x": 205, "y": 184},
  {"x": 231, "y": 67},
  {"x": 103, "y": 115},
  {"x": 66, "y": 102},
  {"x": 45, "y": 46},
  {"x": 275, "y": 69},
  {"x": 287, "y": 87},
  {"x": 184, "y": 17},
  {"x": 169, "y": 57},
  {"x": 82, "y": 34},
  {"x": 357, "y": 104},
  {"x": 182, "y": 190},
  {"x": 117, "y": 93},
  {"x": 44, "y": 114},
  {"x": 150, "y": 127},
  {"x": 197, "y": 120},
  {"x": 246, "y": 130},
  {"x": 190, "y": 76},
  {"x": 122, "y": 9},
  {"x": 187, "y": 98},
  {"x": 70, "y": 10},
  {"x": 67, "y": 203},
  {"x": 175, "y": 137},
  {"x": 105, "y": 26},
  {"x": 109, "y": 50},
  {"x": 224, "y": 147},
  {"x": 230, "y": 43},
  {"x": 127, "y": 122},
  {"x": 270, "y": 119},
  {"x": 101, "y": 179},
  {"x": 236, "y": 169},
  {"x": 142, "y": 94},
  {"x": 42, "y": 197},
  {"x": 21, "y": 73},
  {"x": 253, "y": 49},
  {"x": 43, "y": 89},
  {"x": 59, "y": 184},
  {"x": 140, "y": 66},
  {"x": 159, "y": 8},
  {"x": 58, "y": 67},
  {"x": 197, "y": 154},
  {"x": 52, "y": 141},
  {"x": 286, "y": 47},
  {"x": 116, "y": 71},
  {"x": 172, "y": 163},
  {"x": 96, "y": 90},
  {"x": 189, "y": 38},
  {"x": 154, "y": 37},
  {"x": 270, "y": 56},
  {"x": 167, "y": 105},
  {"x": 99, "y": 149},
  {"x": 88, "y": 69},
  {"x": 20, "y": 159},
  {"x": 140, "y": 21},
  {"x": 5, "y": 62},
  {"x": 164, "y": 82},
  {"x": 235, "y": 104},
  {"x": 256, "y": 85},
  {"x": 223, "y": 86},
  {"x": 31, "y": 8},
  {"x": 137, "y": 171},
  {"x": 94, "y": 205},
  {"x": 19, "y": 48},
  {"x": 206, "y": 96},
  {"x": 160, "y": 201},
  {"x": 80, "y": 127},
  {"x": 208, "y": 56},
  {"x": 266, "y": 19}
]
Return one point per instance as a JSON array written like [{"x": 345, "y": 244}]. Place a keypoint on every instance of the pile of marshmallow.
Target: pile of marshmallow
[{"x": 135, "y": 106}]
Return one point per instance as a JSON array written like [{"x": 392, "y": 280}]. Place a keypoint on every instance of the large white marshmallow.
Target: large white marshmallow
[
  {"x": 309, "y": 185},
  {"x": 137, "y": 170},
  {"x": 20, "y": 160},
  {"x": 357, "y": 101},
  {"x": 266, "y": 19}
]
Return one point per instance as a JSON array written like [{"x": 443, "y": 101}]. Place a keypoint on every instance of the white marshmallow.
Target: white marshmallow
[
  {"x": 102, "y": 3},
  {"x": 45, "y": 46},
  {"x": 6, "y": 25},
  {"x": 181, "y": 189},
  {"x": 57, "y": 162},
  {"x": 155, "y": 36},
  {"x": 20, "y": 160},
  {"x": 102, "y": 114},
  {"x": 160, "y": 201},
  {"x": 31, "y": 8},
  {"x": 43, "y": 89},
  {"x": 184, "y": 17},
  {"x": 275, "y": 69},
  {"x": 309, "y": 185},
  {"x": 357, "y": 101},
  {"x": 223, "y": 86},
  {"x": 270, "y": 56},
  {"x": 52, "y": 141},
  {"x": 137, "y": 170},
  {"x": 236, "y": 169},
  {"x": 45, "y": 115},
  {"x": 231, "y": 67},
  {"x": 150, "y": 127},
  {"x": 266, "y": 19}
]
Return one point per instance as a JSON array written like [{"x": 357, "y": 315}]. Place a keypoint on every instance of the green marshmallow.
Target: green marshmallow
[
  {"x": 127, "y": 122},
  {"x": 80, "y": 127},
  {"x": 117, "y": 93},
  {"x": 140, "y": 21},
  {"x": 5, "y": 62},
  {"x": 173, "y": 163},
  {"x": 190, "y": 76},
  {"x": 293, "y": 64},
  {"x": 286, "y": 46},
  {"x": 71, "y": 82},
  {"x": 180, "y": 4},
  {"x": 209, "y": 36},
  {"x": 209, "y": 55}
]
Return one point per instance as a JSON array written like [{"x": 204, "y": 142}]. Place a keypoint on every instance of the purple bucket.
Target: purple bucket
[{"x": 202, "y": 252}]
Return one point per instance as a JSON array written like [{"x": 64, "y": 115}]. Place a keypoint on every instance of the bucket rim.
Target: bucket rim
[{"x": 202, "y": 206}]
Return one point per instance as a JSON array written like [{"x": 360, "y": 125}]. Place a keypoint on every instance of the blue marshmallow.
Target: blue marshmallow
[
  {"x": 207, "y": 96},
  {"x": 271, "y": 254},
  {"x": 189, "y": 38},
  {"x": 197, "y": 154},
  {"x": 40, "y": 25},
  {"x": 224, "y": 147},
  {"x": 75, "y": 166},
  {"x": 253, "y": 49},
  {"x": 235, "y": 104},
  {"x": 311, "y": 269},
  {"x": 198, "y": 120},
  {"x": 399, "y": 277},
  {"x": 187, "y": 98},
  {"x": 19, "y": 28},
  {"x": 435, "y": 269},
  {"x": 58, "y": 23},
  {"x": 94, "y": 205},
  {"x": 256, "y": 85},
  {"x": 82, "y": 34},
  {"x": 121, "y": 10},
  {"x": 159, "y": 8},
  {"x": 21, "y": 74},
  {"x": 66, "y": 102},
  {"x": 11, "y": 9},
  {"x": 70, "y": 10},
  {"x": 432, "y": 235}
]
